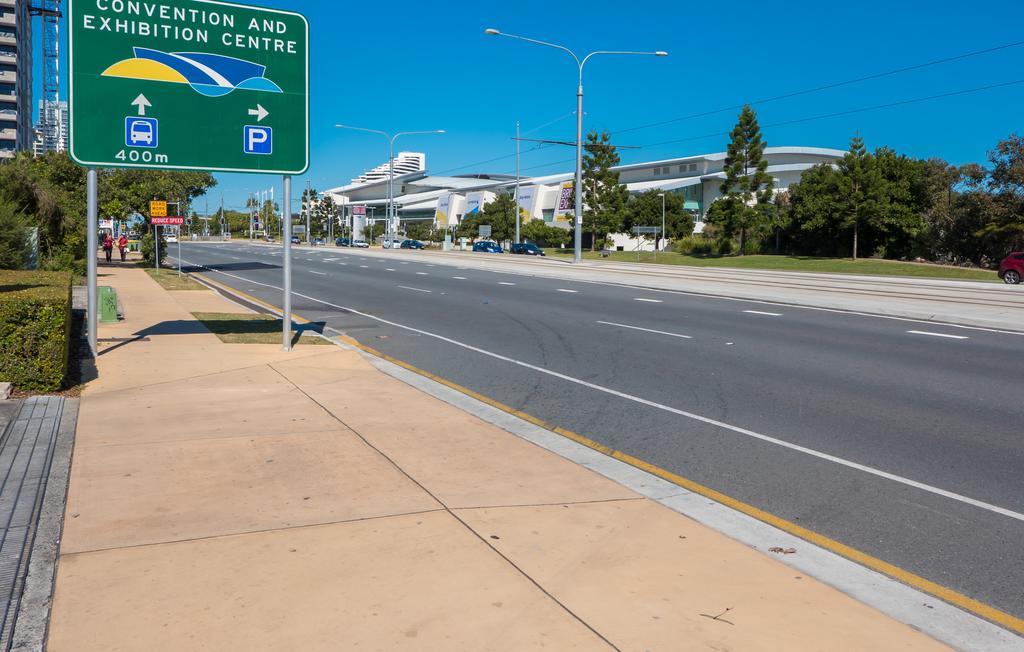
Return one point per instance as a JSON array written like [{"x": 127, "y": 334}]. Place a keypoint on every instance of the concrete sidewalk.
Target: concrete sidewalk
[{"x": 237, "y": 497}]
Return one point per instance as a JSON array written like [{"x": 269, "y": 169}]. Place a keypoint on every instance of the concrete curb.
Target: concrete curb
[{"x": 33, "y": 619}]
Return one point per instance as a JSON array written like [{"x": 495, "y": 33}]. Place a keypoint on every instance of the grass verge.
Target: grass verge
[
  {"x": 245, "y": 328},
  {"x": 869, "y": 266},
  {"x": 169, "y": 280}
]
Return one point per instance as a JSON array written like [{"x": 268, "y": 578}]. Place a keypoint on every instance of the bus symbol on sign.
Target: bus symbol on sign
[{"x": 140, "y": 132}]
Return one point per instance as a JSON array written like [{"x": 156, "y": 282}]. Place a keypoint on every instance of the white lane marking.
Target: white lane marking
[
  {"x": 460, "y": 278},
  {"x": 421, "y": 273},
  {"x": 405, "y": 263},
  {"x": 406, "y": 287},
  {"x": 234, "y": 257},
  {"x": 364, "y": 267},
  {"x": 948, "y": 337},
  {"x": 343, "y": 263},
  {"x": 330, "y": 260},
  {"x": 759, "y": 312},
  {"x": 389, "y": 270},
  {"x": 431, "y": 265},
  {"x": 650, "y": 300},
  {"x": 646, "y": 330},
  {"x": 505, "y": 283},
  {"x": 313, "y": 271},
  {"x": 568, "y": 291},
  {"x": 658, "y": 406}
]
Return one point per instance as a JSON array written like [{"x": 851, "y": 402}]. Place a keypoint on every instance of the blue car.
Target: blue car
[{"x": 488, "y": 247}]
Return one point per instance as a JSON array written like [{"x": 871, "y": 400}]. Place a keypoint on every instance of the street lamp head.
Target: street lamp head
[
  {"x": 661, "y": 194},
  {"x": 661, "y": 53},
  {"x": 490, "y": 31}
]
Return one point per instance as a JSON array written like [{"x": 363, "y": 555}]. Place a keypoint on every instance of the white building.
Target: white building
[
  {"x": 52, "y": 113},
  {"x": 447, "y": 200}
]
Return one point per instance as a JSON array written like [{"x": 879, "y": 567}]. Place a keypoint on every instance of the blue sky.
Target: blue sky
[{"x": 444, "y": 73}]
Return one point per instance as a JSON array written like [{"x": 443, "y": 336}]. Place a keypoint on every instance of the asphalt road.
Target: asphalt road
[{"x": 903, "y": 440}]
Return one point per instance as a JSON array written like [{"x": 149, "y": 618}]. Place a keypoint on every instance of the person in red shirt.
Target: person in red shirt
[
  {"x": 108, "y": 246},
  {"x": 122, "y": 245}
]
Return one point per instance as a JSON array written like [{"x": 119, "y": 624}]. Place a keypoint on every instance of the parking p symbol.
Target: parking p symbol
[{"x": 258, "y": 140}]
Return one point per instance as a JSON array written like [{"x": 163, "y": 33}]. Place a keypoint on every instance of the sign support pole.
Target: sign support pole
[
  {"x": 156, "y": 244},
  {"x": 286, "y": 222},
  {"x": 92, "y": 240}
]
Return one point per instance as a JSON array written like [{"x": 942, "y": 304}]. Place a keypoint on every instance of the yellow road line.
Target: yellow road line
[{"x": 927, "y": 586}]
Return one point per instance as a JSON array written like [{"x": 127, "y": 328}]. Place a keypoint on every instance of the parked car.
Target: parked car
[
  {"x": 392, "y": 244},
  {"x": 412, "y": 244},
  {"x": 173, "y": 237},
  {"x": 526, "y": 249},
  {"x": 295, "y": 239},
  {"x": 319, "y": 242},
  {"x": 342, "y": 242},
  {"x": 270, "y": 238},
  {"x": 1012, "y": 268},
  {"x": 361, "y": 244},
  {"x": 488, "y": 247}
]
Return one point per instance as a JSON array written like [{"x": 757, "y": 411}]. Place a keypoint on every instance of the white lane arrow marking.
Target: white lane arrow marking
[
  {"x": 259, "y": 112},
  {"x": 142, "y": 103}
]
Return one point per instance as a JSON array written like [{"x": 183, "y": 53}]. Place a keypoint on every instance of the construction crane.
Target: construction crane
[{"x": 50, "y": 115}]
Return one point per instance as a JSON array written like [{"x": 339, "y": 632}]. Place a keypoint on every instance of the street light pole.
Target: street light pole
[
  {"x": 518, "y": 212},
  {"x": 391, "y": 165},
  {"x": 578, "y": 221},
  {"x": 657, "y": 241}
]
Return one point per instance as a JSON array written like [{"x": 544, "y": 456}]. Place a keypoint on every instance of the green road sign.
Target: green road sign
[{"x": 188, "y": 84}]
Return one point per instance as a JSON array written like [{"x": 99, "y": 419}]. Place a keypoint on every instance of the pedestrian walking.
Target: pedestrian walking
[
  {"x": 108, "y": 246},
  {"x": 122, "y": 245}
]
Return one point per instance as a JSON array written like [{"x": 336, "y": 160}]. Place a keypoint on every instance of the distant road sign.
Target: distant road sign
[
  {"x": 158, "y": 209},
  {"x": 359, "y": 210},
  {"x": 485, "y": 230},
  {"x": 167, "y": 221},
  {"x": 189, "y": 84},
  {"x": 646, "y": 229}
]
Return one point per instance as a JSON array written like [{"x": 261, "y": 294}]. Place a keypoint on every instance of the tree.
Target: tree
[
  {"x": 13, "y": 238},
  {"x": 604, "y": 198},
  {"x": 860, "y": 189},
  {"x": 1006, "y": 182},
  {"x": 500, "y": 214},
  {"x": 747, "y": 184},
  {"x": 542, "y": 233},
  {"x": 645, "y": 210}
]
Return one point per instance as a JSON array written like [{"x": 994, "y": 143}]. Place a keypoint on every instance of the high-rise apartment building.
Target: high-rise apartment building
[
  {"x": 53, "y": 113},
  {"x": 16, "y": 132}
]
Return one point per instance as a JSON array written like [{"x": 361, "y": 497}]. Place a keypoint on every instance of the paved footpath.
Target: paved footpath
[{"x": 236, "y": 497}]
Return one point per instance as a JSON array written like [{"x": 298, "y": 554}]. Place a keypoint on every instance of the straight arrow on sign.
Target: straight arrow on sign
[
  {"x": 142, "y": 103},
  {"x": 259, "y": 112}
]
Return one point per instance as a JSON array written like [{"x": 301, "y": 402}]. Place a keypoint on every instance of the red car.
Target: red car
[{"x": 1012, "y": 268}]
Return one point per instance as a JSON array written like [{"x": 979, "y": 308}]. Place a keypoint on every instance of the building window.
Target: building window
[{"x": 548, "y": 214}]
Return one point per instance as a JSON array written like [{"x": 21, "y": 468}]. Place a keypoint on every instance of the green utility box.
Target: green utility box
[{"x": 108, "y": 304}]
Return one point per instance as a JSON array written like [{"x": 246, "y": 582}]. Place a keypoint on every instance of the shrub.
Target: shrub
[
  {"x": 147, "y": 249},
  {"x": 35, "y": 328}
]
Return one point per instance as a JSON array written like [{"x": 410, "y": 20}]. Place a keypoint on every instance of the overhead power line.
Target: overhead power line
[
  {"x": 817, "y": 89},
  {"x": 823, "y": 116}
]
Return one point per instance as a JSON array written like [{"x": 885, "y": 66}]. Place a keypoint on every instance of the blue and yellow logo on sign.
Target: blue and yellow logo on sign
[{"x": 212, "y": 75}]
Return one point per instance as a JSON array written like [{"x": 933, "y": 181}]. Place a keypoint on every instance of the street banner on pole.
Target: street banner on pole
[{"x": 189, "y": 85}]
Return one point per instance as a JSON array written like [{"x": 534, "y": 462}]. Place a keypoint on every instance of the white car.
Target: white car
[
  {"x": 171, "y": 238},
  {"x": 361, "y": 244}
]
